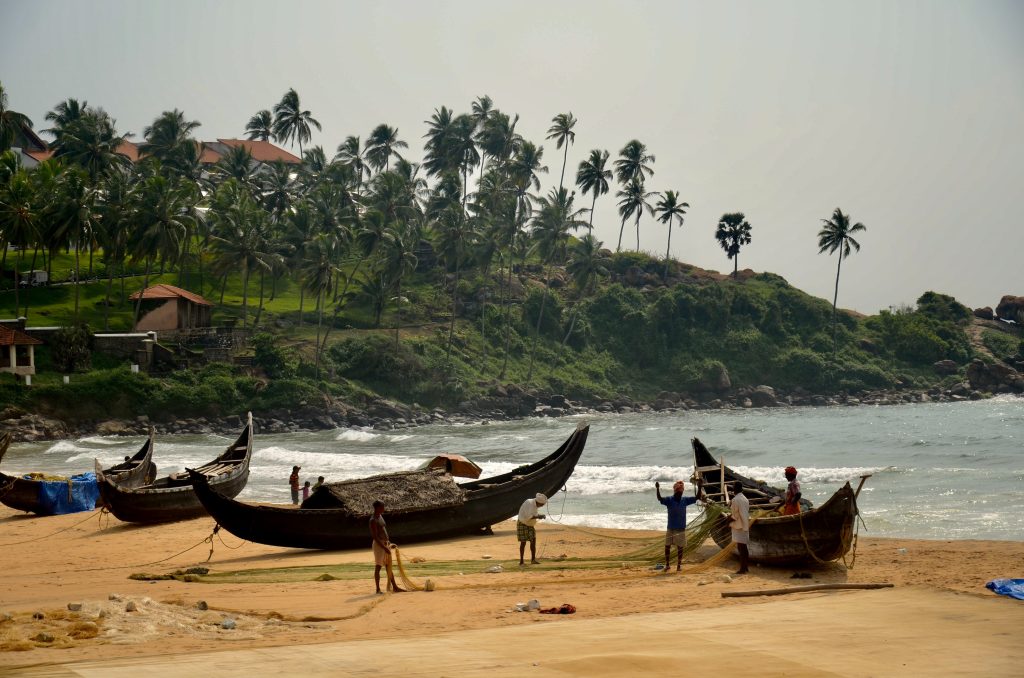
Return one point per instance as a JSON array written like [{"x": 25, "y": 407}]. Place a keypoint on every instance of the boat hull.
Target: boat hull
[{"x": 488, "y": 501}]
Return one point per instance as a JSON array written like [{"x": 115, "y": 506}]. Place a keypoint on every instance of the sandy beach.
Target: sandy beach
[{"x": 318, "y": 612}]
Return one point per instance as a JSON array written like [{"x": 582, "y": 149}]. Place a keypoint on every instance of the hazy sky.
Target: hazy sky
[{"x": 907, "y": 115}]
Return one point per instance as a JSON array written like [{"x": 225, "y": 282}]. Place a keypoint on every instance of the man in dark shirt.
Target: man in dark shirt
[{"x": 676, "y": 532}]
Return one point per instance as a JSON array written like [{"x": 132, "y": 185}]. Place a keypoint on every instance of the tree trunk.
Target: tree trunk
[
  {"x": 302, "y": 301},
  {"x": 593, "y": 203},
  {"x": 106, "y": 304},
  {"x": 17, "y": 283},
  {"x": 223, "y": 287},
  {"x": 145, "y": 284},
  {"x": 35, "y": 252},
  {"x": 259, "y": 311},
  {"x": 735, "y": 265},
  {"x": 78, "y": 275},
  {"x": 319, "y": 326},
  {"x": 622, "y": 228},
  {"x": 638, "y": 230},
  {"x": 245, "y": 295},
  {"x": 508, "y": 315},
  {"x": 451, "y": 325},
  {"x": 540, "y": 319},
  {"x": 835, "y": 298},
  {"x": 668, "y": 247},
  {"x": 398, "y": 312},
  {"x": 565, "y": 159}
]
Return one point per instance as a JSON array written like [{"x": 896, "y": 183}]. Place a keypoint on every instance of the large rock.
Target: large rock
[
  {"x": 946, "y": 367},
  {"x": 114, "y": 427},
  {"x": 763, "y": 396},
  {"x": 716, "y": 379},
  {"x": 1010, "y": 307},
  {"x": 994, "y": 377},
  {"x": 985, "y": 313}
]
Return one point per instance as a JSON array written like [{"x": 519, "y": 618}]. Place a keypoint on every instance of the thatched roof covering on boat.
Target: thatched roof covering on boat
[{"x": 400, "y": 492}]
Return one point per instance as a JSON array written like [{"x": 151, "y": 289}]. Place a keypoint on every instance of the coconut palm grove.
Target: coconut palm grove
[{"x": 359, "y": 273}]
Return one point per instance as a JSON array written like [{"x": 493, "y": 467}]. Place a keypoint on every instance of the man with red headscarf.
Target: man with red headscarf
[
  {"x": 676, "y": 533},
  {"x": 791, "y": 507}
]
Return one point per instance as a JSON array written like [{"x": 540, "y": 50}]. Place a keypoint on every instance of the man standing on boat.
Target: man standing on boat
[
  {"x": 293, "y": 482},
  {"x": 791, "y": 507},
  {"x": 529, "y": 514},
  {"x": 740, "y": 524},
  {"x": 675, "y": 535},
  {"x": 381, "y": 548}
]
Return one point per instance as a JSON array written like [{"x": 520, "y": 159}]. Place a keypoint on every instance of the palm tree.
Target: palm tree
[
  {"x": 169, "y": 139},
  {"x": 670, "y": 209},
  {"x": 63, "y": 115},
  {"x": 291, "y": 123},
  {"x": 75, "y": 217},
  {"x": 260, "y": 126},
  {"x": 562, "y": 134},
  {"x": 456, "y": 235},
  {"x": 837, "y": 236},
  {"x": 633, "y": 200},
  {"x": 381, "y": 145},
  {"x": 481, "y": 110},
  {"x": 399, "y": 260},
  {"x": 317, "y": 271},
  {"x": 634, "y": 163},
  {"x": 497, "y": 137},
  {"x": 91, "y": 142},
  {"x": 164, "y": 212},
  {"x": 556, "y": 216},
  {"x": 592, "y": 177},
  {"x": 587, "y": 263},
  {"x": 733, "y": 232},
  {"x": 11, "y": 122},
  {"x": 19, "y": 220},
  {"x": 350, "y": 153},
  {"x": 237, "y": 164},
  {"x": 117, "y": 214}
]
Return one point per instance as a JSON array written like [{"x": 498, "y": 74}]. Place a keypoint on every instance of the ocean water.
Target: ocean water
[{"x": 939, "y": 470}]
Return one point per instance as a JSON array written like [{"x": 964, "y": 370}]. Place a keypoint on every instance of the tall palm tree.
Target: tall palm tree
[
  {"x": 561, "y": 131},
  {"x": 837, "y": 236},
  {"x": 91, "y": 141},
  {"x": 169, "y": 139},
  {"x": 669, "y": 208},
  {"x": 381, "y": 145},
  {"x": 11, "y": 122},
  {"x": 456, "y": 236},
  {"x": 398, "y": 261},
  {"x": 634, "y": 163},
  {"x": 75, "y": 217},
  {"x": 733, "y": 232},
  {"x": 260, "y": 126},
  {"x": 238, "y": 164},
  {"x": 291, "y": 123},
  {"x": 117, "y": 215},
  {"x": 497, "y": 137},
  {"x": 556, "y": 216},
  {"x": 317, "y": 271},
  {"x": 351, "y": 153},
  {"x": 587, "y": 262},
  {"x": 19, "y": 219},
  {"x": 481, "y": 110},
  {"x": 164, "y": 214},
  {"x": 632, "y": 201},
  {"x": 592, "y": 177},
  {"x": 63, "y": 115}
]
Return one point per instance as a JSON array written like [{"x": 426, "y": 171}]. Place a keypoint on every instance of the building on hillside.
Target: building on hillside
[
  {"x": 17, "y": 350},
  {"x": 29, "y": 147},
  {"x": 166, "y": 307}
]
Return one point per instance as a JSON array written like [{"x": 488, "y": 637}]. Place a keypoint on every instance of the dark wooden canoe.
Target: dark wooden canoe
[
  {"x": 816, "y": 534},
  {"x": 23, "y": 494},
  {"x": 488, "y": 501},
  {"x": 171, "y": 498}
]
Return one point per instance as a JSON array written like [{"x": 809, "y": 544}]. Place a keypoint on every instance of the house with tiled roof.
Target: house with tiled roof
[
  {"x": 166, "y": 307},
  {"x": 17, "y": 351}
]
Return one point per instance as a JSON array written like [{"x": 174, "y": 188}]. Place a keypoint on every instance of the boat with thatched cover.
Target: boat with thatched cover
[
  {"x": 171, "y": 498},
  {"x": 421, "y": 505},
  {"x": 27, "y": 493},
  {"x": 815, "y": 534}
]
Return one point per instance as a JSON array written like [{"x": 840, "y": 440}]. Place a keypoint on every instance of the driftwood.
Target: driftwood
[{"x": 802, "y": 589}]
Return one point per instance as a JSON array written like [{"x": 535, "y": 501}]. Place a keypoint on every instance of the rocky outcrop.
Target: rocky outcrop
[
  {"x": 994, "y": 377},
  {"x": 32, "y": 426},
  {"x": 985, "y": 313},
  {"x": 946, "y": 367},
  {"x": 1010, "y": 307}
]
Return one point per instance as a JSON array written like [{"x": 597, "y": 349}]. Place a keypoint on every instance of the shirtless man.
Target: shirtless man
[{"x": 381, "y": 548}]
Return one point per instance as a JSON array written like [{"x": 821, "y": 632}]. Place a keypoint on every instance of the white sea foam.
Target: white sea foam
[
  {"x": 100, "y": 440},
  {"x": 63, "y": 447},
  {"x": 357, "y": 436}
]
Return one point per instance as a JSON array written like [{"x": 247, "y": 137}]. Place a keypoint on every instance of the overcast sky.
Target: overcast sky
[{"x": 908, "y": 115}]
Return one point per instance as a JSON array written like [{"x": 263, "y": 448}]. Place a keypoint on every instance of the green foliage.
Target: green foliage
[
  {"x": 1002, "y": 345},
  {"x": 373, "y": 359},
  {"x": 551, "y": 325},
  {"x": 918, "y": 338},
  {"x": 943, "y": 308},
  {"x": 70, "y": 348},
  {"x": 623, "y": 261},
  {"x": 269, "y": 355}
]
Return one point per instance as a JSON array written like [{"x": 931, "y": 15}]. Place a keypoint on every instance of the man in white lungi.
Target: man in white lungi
[{"x": 740, "y": 524}]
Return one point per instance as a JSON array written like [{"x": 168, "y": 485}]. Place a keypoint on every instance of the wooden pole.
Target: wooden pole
[{"x": 802, "y": 589}]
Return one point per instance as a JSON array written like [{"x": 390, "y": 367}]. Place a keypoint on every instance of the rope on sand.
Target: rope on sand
[
  {"x": 801, "y": 589},
  {"x": 63, "y": 529}
]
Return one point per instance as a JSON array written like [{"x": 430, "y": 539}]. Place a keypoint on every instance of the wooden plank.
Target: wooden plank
[{"x": 802, "y": 589}]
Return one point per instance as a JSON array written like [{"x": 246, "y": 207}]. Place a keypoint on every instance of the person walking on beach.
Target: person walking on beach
[
  {"x": 529, "y": 514},
  {"x": 675, "y": 534},
  {"x": 293, "y": 482},
  {"x": 740, "y": 524},
  {"x": 381, "y": 548},
  {"x": 791, "y": 507}
]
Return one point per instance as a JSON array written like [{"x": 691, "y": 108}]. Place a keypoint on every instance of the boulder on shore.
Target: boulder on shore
[
  {"x": 985, "y": 313},
  {"x": 1010, "y": 307}
]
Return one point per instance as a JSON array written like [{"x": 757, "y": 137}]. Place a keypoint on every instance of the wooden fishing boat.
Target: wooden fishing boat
[
  {"x": 817, "y": 534},
  {"x": 24, "y": 493},
  {"x": 171, "y": 497},
  {"x": 479, "y": 505}
]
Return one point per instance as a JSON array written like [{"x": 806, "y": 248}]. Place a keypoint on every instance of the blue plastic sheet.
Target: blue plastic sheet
[
  {"x": 1007, "y": 587},
  {"x": 58, "y": 496}
]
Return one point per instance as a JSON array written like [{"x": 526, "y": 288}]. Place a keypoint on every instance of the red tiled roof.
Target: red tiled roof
[
  {"x": 263, "y": 151},
  {"x": 40, "y": 156},
  {"x": 209, "y": 155},
  {"x": 170, "y": 292},
  {"x": 129, "y": 150},
  {"x": 12, "y": 337}
]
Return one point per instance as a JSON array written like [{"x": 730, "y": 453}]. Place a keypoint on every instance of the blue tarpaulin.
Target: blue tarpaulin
[
  {"x": 78, "y": 493},
  {"x": 1007, "y": 587}
]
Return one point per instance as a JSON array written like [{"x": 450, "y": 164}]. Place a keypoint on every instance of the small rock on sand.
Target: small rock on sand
[
  {"x": 75, "y": 607},
  {"x": 228, "y": 624},
  {"x": 131, "y": 606},
  {"x": 43, "y": 638},
  {"x": 38, "y": 615},
  {"x": 201, "y": 605}
]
